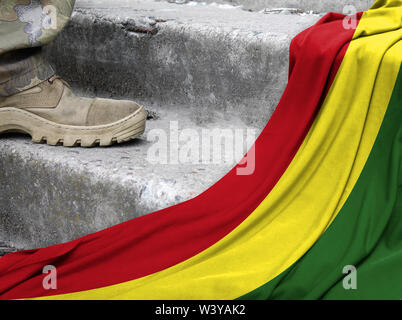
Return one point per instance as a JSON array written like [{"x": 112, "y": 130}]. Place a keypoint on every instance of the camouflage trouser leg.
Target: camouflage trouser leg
[{"x": 25, "y": 26}]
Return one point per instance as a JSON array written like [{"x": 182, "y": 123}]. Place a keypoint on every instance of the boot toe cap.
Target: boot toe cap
[{"x": 105, "y": 111}]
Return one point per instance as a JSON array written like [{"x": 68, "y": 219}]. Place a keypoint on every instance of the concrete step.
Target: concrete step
[
  {"x": 195, "y": 69},
  {"x": 51, "y": 194},
  {"x": 302, "y": 5},
  {"x": 206, "y": 57}
]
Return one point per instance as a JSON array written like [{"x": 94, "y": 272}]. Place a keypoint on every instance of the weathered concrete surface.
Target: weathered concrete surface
[
  {"x": 305, "y": 5},
  {"x": 51, "y": 194},
  {"x": 206, "y": 57}
]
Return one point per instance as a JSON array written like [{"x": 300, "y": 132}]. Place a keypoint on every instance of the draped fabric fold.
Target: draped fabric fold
[{"x": 324, "y": 195}]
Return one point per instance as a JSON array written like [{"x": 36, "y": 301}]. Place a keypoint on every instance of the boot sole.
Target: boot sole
[{"x": 42, "y": 130}]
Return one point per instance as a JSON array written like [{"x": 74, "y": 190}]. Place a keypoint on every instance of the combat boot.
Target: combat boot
[{"x": 51, "y": 113}]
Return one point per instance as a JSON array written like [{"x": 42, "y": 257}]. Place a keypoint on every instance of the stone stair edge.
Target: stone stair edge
[{"x": 319, "y": 6}]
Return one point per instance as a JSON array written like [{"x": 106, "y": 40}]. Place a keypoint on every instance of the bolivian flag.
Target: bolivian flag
[{"x": 325, "y": 194}]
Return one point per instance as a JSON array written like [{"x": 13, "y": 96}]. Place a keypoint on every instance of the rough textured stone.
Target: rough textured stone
[{"x": 305, "y": 5}]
